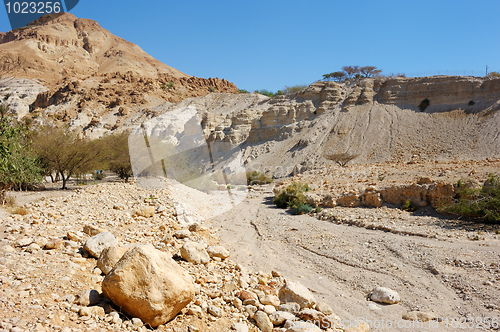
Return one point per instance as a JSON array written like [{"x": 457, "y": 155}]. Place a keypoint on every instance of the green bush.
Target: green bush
[
  {"x": 302, "y": 209},
  {"x": 19, "y": 166},
  {"x": 409, "y": 206},
  {"x": 259, "y": 178},
  {"x": 293, "y": 197},
  {"x": 481, "y": 204}
]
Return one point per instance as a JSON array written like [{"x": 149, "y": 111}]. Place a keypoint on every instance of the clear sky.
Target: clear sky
[{"x": 269, "y": 44}]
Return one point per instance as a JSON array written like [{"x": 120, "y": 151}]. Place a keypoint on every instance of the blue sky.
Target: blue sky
[{"x": 273, "y": 43}]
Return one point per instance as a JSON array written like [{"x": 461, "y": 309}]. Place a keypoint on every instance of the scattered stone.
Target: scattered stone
[
  {"x": 92, "y": 311},
  {"x": 213, "y": 310},
  {"x": 7, "y": 249},
  {"x": 295, "y": 292},
  {"x": 75, "y": 236},
  {"x": 363, "y": 327},
  {"x": 240, "y": 327},
  {"x": 270, "y": 300},
  {"x": 298, "y": 326},
  {"x": 324, "y": 308},
  {"x": 136, "y": 322},
  {"x": 24, "y": 242},
  {"x": 92, "y": 230},
  {"x": 269, "y": 309},
  {"x": 182, "y": 234},
  {"x": 290, "y": 307},
  {"x": 54, "y": 243},
  {"x": 263, "y": 322},
  {"x": 384, "y": 295},
  {"x": 251, "y": 310},
  {"x": 195, "y": 311},
  {"x": 88, "y": 297},
  {"x": 115, "y": 317},
  {"x": 97, "y": 243},
  {"x": 148, "y": 284},
  {"x": 279, "y": 317},
  {"x": 218, "y": 251},
  {"x": 419, "y": 316},
  {"x": 119, "y": 206},
  {"x": 195, "y": 253},
  {"x": 33, "y": 248},
  {"x": 246, "y": 295},
  {"x": 146, "y": 211}
]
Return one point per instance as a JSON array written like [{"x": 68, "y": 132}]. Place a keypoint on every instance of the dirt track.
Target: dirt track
[{"x": 455, "y": 275}]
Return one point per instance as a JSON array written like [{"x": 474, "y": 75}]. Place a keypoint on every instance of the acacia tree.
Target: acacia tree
[
  {"x": 335, "y": 76},
  {"x": 18, "y": 163},
  {"x": 63, "y": 151},
  {"x": 369, "y": 71},
  {"x": 351, "y": 71}
]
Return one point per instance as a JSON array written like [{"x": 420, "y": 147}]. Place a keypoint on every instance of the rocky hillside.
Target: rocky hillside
[
  {"x": 84, "y": 70},
  {"x": 377, "y": 120}
]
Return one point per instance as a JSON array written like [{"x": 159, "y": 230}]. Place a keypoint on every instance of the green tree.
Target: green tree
[
  {"x": 116, "y": 157},
  {"x": 18, "y": 163},
  {"x": 63, "y": 151}
]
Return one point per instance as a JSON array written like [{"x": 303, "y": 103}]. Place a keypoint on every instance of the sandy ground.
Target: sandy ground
[{"x": 455, "y": 276}]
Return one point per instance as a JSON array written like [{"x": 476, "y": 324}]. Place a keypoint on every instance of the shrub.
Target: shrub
[
  {"x": 409, "y": 206},
  {"x": 265, "y": 92},
  {"x": 293, "y": 197},
  {"x": 342, "y": 159},
  {"x": 481, "y": 203},
  {"x": 243, "y": 91},
  {"x": 259, "y": 178},
  {"x": 169, "y": 85},
  {"x": 292, "y": 89},
  {"x": 211, "y": 89},
  {"x": 301, "y": 209},
  {"x": 19, "y": 166}
]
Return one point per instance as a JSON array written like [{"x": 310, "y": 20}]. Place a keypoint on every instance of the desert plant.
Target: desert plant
[
  {"x": 168, "y": 85},
  {"x": 265, "y": 92},
  {"x": 243, "y": 91},
  {"x": 292, "y": 89},
  {"x": 258, "y": 178},
  {"x": 476, "y": 203},
  {"x": 63, "y": 151},
  {"x": 342, "y": 159},
  {"x": 494, "y": 74},
  {"x": 409, "y": 206},
  {"x": 211, "y": 89},
  {"x": 293, "y": 197}
]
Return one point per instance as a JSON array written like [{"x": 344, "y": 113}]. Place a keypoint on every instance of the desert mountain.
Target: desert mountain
[
  {"x": 78, "y": 63},
  {"x": 70, "y": 47}
]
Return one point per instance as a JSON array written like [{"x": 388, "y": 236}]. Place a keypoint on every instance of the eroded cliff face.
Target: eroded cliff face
[{"x": 376, "y": 119}]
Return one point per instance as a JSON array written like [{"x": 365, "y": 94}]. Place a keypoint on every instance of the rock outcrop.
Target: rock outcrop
[{"x": 148, "y": 284}]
